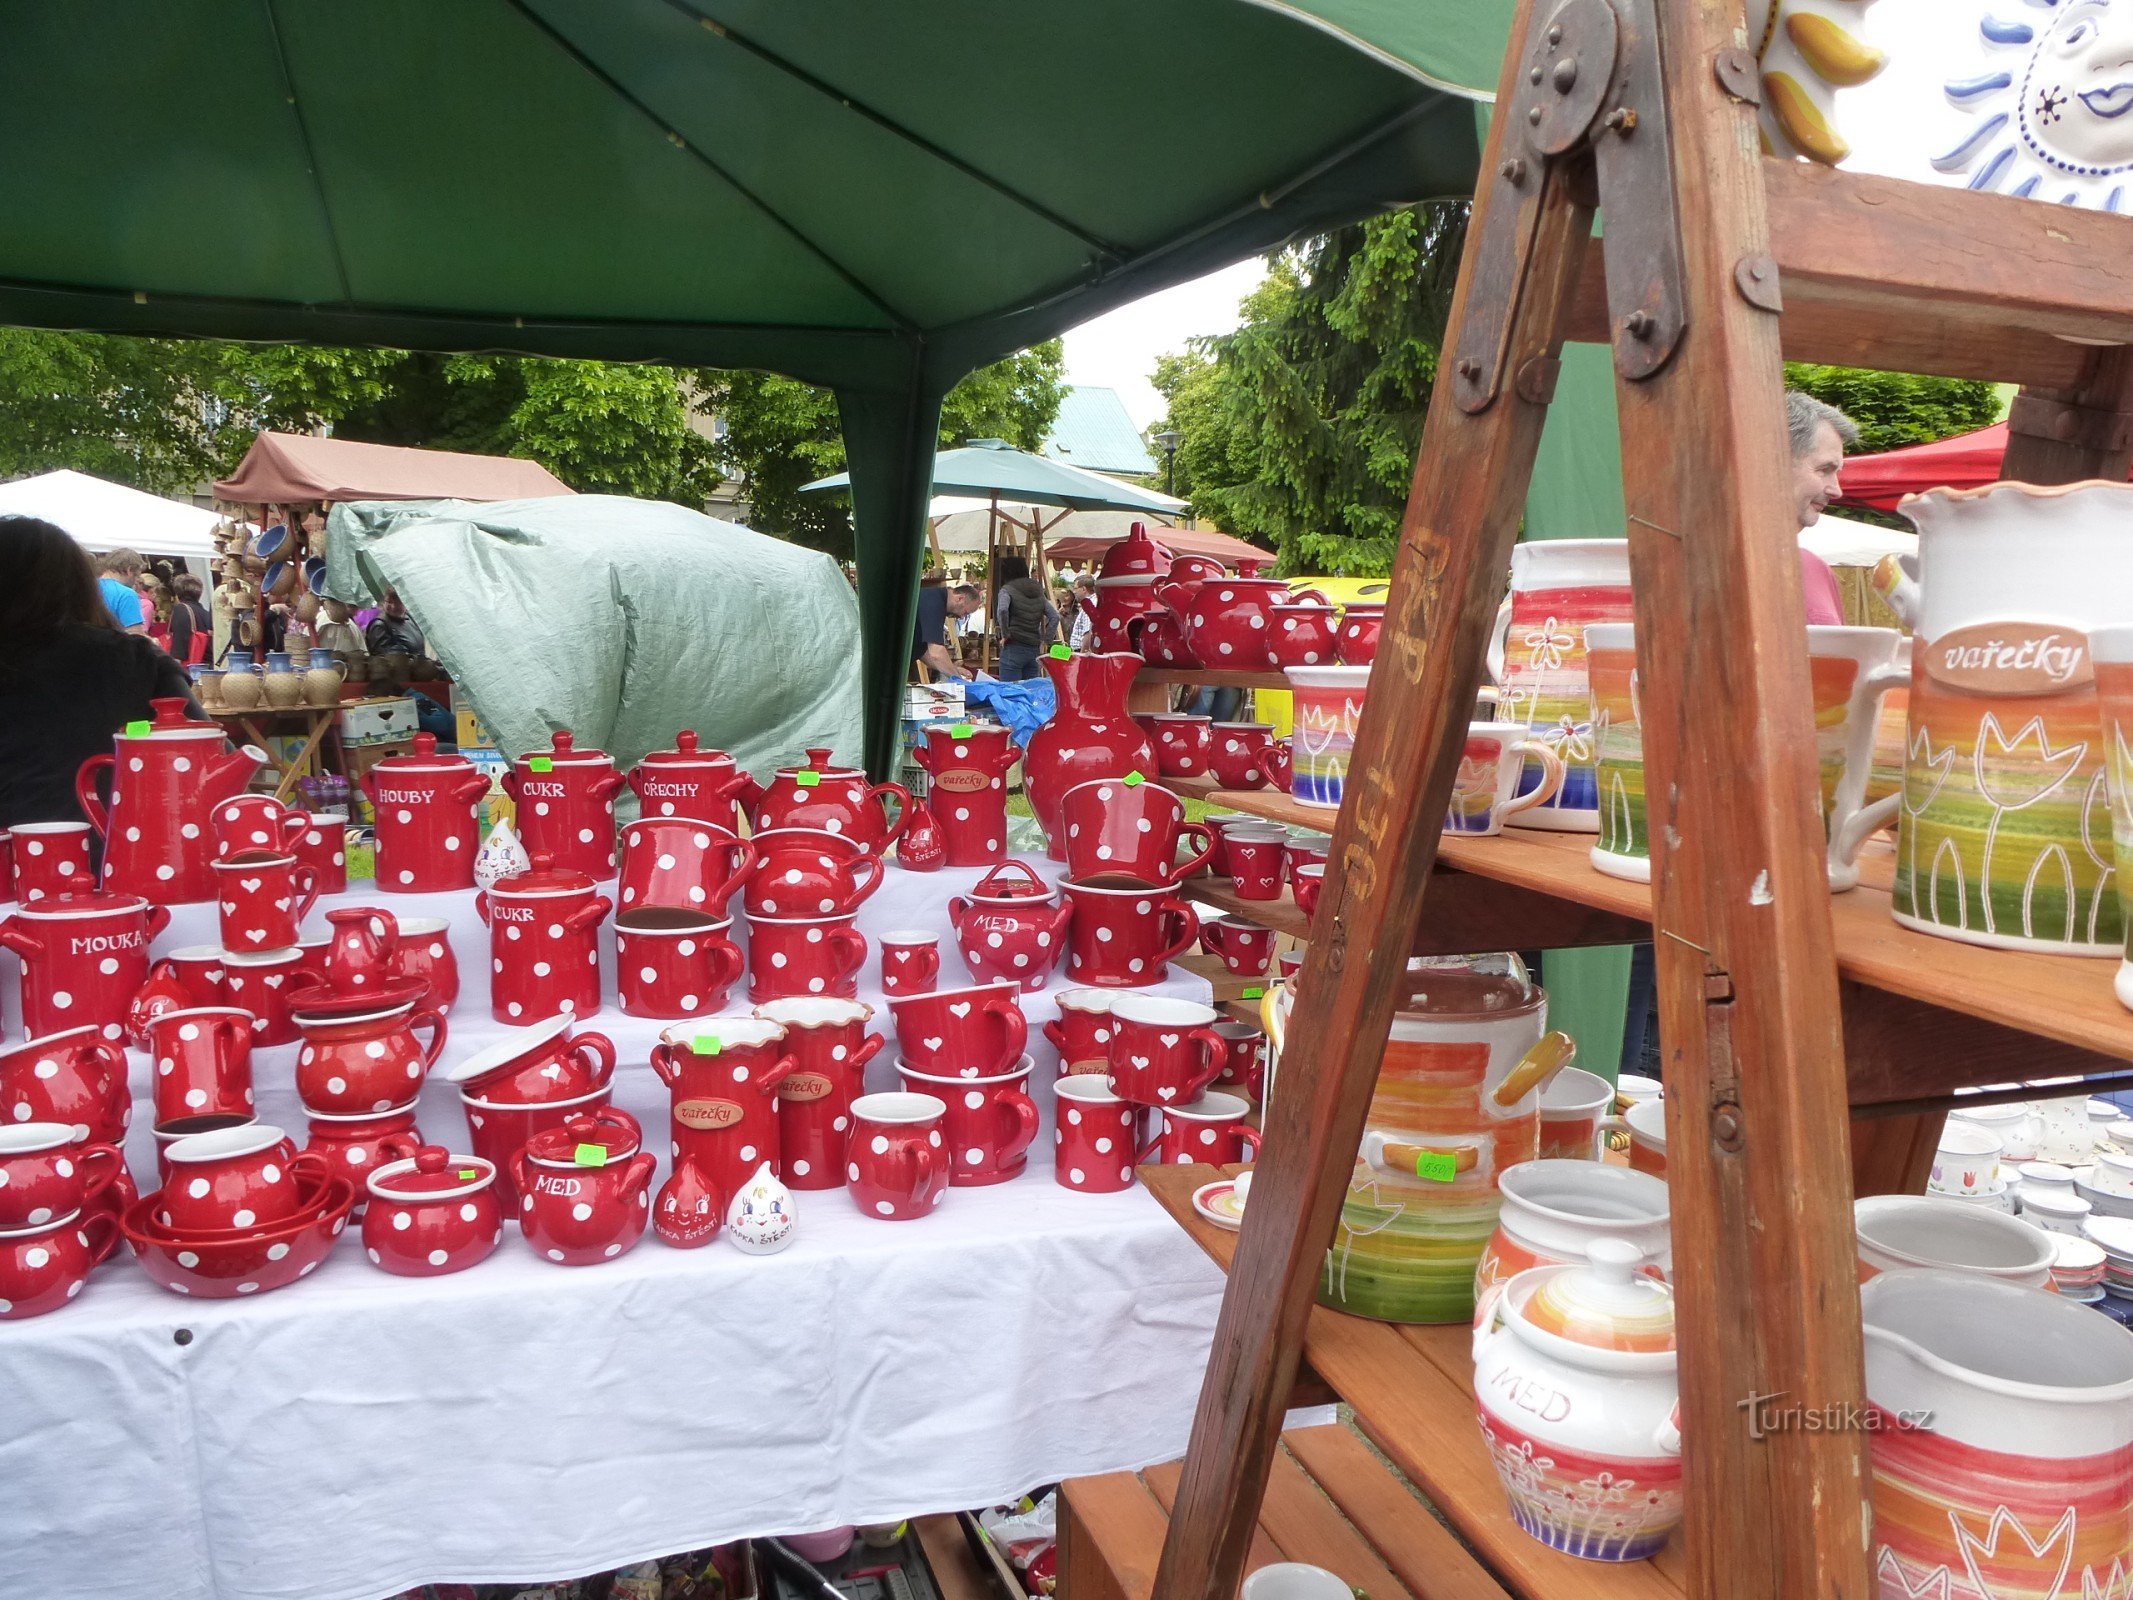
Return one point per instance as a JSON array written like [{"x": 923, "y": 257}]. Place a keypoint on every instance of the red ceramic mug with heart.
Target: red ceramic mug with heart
[
  {"x": 323, "y": 847},
  {"x": 1257, "y": 861},
  {"x": 47, "y": 1174},
  {"x": 202, "y": 1062},
  {"x": 1306, "y": 882},
  {"x": 1081, "y": 1033},
  {"x": 238, "y": 1178},
  {"x": 249, "y": 823},
  {"x": 801, "y": 956},
  {"x": 671, "y": 963},
  {"x": 432, "y": 1213},
  {"x": 910, "y": 961},
  {"x": 973, "y": 1032},
  {"x": 1093, "y": 1136},
  {"x": 1243, "y": 947},
  {"x": 77, "y": 1077},
  {"x": 896, "y": 1158},
  {"x": 1210, "y": 1129},
  {"x": 262, "y": 984},
  {"x": 691, "y": 866},
  {"x": 1131, "y": 830},
  {"x": 830, "y": 1048},
  {"x": 989, "y": 1124},
  {"x": 263, "y": 899},
  {"x": 805, "y": 872},
  {"x": 1164, "y": 1052},
  {"x": 424, "y": 955},
  {"x": 529, "y": 1066},
  {"x": 41, "y": 1269},
  {"x": 1124, "y": 934},
  {"x": 50, "y": 858}
]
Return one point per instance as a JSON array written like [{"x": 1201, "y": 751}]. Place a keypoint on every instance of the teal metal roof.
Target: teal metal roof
[{"x": 1094, "y": 432}]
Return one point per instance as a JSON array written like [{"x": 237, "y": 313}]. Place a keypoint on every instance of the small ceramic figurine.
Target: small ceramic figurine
[
  {"x": 762, "y": 1214},
  {"x": 501, "y": 856}
]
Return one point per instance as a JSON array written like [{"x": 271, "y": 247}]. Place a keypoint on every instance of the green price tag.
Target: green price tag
[
  {"x": 590, "y": 1155},
  {"x": 468, "y": 1174},
  {"x": 807, "y": 780},
  {"x": 1254, "y": 993},
  {"x": 540, "y": 764},
  {"x": 1060, "y": 652},
  {"x": 1134, "y": 780},
  {"x": 705, "y": 1044},
  {"x": 136, "y": 730},
  {"x": 1439, "y": 1166},
  {"x": 962, "y": 730}
]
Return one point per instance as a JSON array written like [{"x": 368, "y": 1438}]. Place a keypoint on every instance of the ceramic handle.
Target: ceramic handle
[
  {"x": 740, "y": 862},
  {"x": 1551, "y": 777},
  {"x": 590, "y": 915},
  {"x": 726, "y": 963},
  {"x": 481, "y": 904},
  {"x": 1498, "y": 634},
  {"x": 1003, "y": 875},
  {"x": 1200, "y": 835},
  {"x": 1667, "y": 1436},
  {"x": 767, "y": 1079},
  {"x": 469, "y": 790},
  {"x": 868, "y": 878},
  {"x": 1215, "y": 1051},
  {"x": 1017, "y": 1025},
  {"x": 854, "y": 945},
  {"x": 1551, "y": 1052},
  {"x": 664, "y": 1064},
  {"x": 1055, "y": 1032},
  {"x": 868, "y": 1049},
  {"x": 312, "y": 1162},
  {"x": 1278, "y": 762},
  {"x": 1188, "y": 921},
  {"x": 1851, "y": 821},
  {"x": 882, "y": 793},
  {"x": 434, "y": 1021},
  {"x": 103, "y": 1163},
  {"x": 509, "y": 781},
  {"x": 398, "y": 1147},
  {"x": 92, "y": 807},
  {"x": 293, "y": 825},
  {"x": 1248, "y": 1137},
  {"x": 1021, "y": 1113},
  {"x": 925, "y": 1159},
  {"x": 153, "y": 921},
  {"x": 103, "y": 1231},
  {"x": 601, "y": 1049},
  {"x": 637, "y": 1176},
  {"x": 307, "y": 888},
  {"x": 19, "y": 939},
  {"x": 1299, "y": 597},
  {"x": 604, "y": 789}
]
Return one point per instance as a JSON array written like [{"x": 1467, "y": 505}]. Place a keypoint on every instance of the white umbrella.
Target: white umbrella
[{"x": 101, "y": 515}]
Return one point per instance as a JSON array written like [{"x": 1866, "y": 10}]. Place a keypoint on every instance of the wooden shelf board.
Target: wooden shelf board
[
  {"x": 2066, "y": 1000},
  {"x": 1411, "y": 1391},
  {"x": 1201, "y": 678},
  {"x": 1282, "y": 914}
]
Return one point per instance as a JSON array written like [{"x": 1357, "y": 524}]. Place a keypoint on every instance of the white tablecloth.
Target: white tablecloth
[{"x": 358, "y": 1433}]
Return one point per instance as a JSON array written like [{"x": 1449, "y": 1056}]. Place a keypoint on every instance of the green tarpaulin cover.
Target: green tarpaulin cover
[{"x": 623, "y": 621}]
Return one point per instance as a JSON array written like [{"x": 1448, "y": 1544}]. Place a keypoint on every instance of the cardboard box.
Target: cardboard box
[
  {"x": 471, "y": 734},
  {"x": 369, "y": 722}
]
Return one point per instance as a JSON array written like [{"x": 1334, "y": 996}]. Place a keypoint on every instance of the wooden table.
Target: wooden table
[{"x": 320, "y": 722}]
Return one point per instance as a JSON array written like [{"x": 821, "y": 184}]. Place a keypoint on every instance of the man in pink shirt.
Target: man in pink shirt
[{"x": 1820, "y": 434}]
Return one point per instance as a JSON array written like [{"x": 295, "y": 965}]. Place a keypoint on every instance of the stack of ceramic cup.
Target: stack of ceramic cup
[{"x": 674, "y": 950}]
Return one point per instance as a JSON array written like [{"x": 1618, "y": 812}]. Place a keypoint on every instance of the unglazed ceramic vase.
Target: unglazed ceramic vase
[
  {"x": 2004, "y": 830},
  {"x": 1559, "y": 588}
]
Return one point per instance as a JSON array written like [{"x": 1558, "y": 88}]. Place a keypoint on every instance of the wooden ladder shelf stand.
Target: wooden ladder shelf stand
[{"x": 1717, "y": 263}]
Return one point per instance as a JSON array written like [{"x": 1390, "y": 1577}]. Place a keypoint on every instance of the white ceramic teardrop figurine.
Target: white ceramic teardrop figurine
[
  {"x": 761, "y": 1217},
  {"x": 500, "y": 856}
]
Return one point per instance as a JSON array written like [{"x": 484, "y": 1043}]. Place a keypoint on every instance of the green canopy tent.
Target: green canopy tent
[{"x": 821, "y": 190}]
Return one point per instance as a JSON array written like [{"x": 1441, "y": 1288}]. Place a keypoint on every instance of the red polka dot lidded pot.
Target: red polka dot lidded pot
[
  {"x": 423, "y": 805},
  {"x": 544, "y": 942},
  {"x": 566, "y": 804}
]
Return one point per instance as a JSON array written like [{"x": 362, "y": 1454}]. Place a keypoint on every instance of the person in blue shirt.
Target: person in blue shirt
[{"x": 117, "y": 573}]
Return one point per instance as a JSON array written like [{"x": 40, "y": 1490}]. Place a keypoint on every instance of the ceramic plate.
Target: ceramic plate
[
  {"x": 1217, "y": 1202},
  {"x": 2115, "y": 1234},
  {"x": 322, "y": 1001}
]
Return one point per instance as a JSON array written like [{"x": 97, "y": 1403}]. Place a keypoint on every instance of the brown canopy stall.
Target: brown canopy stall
[{"x": 293, "y": 468}]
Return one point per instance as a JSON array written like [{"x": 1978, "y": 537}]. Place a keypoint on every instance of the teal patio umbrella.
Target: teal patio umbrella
[{"x": 820, "y": 189}]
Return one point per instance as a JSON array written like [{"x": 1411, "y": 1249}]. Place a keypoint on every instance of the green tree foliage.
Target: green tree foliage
[
  {"x": 1299, "y": 429},
  {"x": 166, "y": 415},
  {"x": 1898, "y": 408},
  {"x": 780, "y": 433}
]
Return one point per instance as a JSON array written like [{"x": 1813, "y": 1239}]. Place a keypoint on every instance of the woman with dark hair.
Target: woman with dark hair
[
  {"x": 69, "y": 679},
  {"x": 192, "y": 631}
]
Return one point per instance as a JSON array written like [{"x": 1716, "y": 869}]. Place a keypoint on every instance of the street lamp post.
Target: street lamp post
[{"x": 1167, "y": 442}]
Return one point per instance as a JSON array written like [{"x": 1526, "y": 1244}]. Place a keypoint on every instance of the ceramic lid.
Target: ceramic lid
[
  {"x": 687, "y": 752},
  {"x": 424, "y": 758},
  {"x": 1492, "y": 985},
  {"x": 562, "y": 749},
  {"x": 603, "y": 1139},
  {"x": 171, "y": 722},
  {"x": 818, "y": 761},
  {"x": 80, "y": 903},
  {"x": 1011, "y": 880},
  {"x": 544, "y": 877},
  {"x": 1605, "y": 1305},
  {"x": 1136, "y": 555},
  {"x": 434, "y": 1174}
]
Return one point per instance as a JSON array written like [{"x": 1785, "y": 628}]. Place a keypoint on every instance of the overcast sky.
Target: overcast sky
[{"x": 1895, "y": 125}]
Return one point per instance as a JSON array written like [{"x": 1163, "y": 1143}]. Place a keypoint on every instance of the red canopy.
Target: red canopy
[
  {"x": 1962, "y": 462},
  {"x": 283, "y": 468},
  {"x": 1178, "y": 541}
]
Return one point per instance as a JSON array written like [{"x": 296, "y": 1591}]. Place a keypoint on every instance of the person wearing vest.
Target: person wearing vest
[{"x": 1026, "y": 618}]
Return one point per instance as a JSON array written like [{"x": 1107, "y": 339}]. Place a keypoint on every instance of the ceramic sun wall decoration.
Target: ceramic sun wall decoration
[
  {"x": 2050, "y": 97},
  {"x": 1807, "y": 50}
]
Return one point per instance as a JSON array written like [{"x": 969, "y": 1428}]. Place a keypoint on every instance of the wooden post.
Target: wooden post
[{"x": 1455, "y": 541}]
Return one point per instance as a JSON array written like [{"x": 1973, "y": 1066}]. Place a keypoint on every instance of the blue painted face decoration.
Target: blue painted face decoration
[{"x": 2055, "y": 110}]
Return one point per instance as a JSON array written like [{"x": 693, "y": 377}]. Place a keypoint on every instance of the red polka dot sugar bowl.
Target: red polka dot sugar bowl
[
  {"x": 544, "y": 942},
  {"x": 433, "y": 1214},
  {"x": 585, "y": 1189}
]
